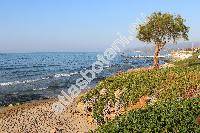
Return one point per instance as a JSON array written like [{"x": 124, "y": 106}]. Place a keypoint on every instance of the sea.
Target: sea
[{"x": 34, "y": 76}]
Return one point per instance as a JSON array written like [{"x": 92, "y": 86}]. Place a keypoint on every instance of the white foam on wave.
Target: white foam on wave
[
  {"x": 34, "y": 80},
  {"x": 18, "y": 82},
  {"x": 61, "y": 75},
  {"x": 64, "y": 74},
  {"x": 9, "y": 83},
  {"x": 45, "y": 78},
  {"x": 29, "y": 81},
  {"x": 74, "y": 73},
  {"x": 40, "y": 89}
]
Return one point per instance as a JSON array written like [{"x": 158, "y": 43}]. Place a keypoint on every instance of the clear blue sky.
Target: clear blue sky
[{"x": 80, "y": 25}]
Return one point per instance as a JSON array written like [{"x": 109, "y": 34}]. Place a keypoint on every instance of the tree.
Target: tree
[{"x": 161, "y": 28}]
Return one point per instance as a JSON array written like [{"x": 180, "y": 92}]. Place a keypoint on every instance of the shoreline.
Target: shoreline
[
  {"x": 30, "y": 114},
  {"x": 36, "y": 102}
]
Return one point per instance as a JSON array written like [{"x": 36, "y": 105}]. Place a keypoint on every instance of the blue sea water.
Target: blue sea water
[{"x": 32, "y": 76}]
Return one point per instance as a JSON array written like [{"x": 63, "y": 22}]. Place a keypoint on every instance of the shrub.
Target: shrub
[
  {"x": 171, "y": 116},
  {"x": 164, "y": 84}
]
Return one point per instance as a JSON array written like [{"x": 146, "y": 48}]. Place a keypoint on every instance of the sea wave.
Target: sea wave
[
  {"x": 22, "y": 82},
  {"x": 44, "y": 88},
  {"x": 73, "y": 73},
  {"x": 18, "y": 82},
  {"x": 61, "y": 75},
  {"x": 64, "y": 74},
  {"x": 35, "y": 80}
]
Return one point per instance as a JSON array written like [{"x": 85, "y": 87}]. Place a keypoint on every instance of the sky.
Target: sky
[{"x": 81, "y": 25}]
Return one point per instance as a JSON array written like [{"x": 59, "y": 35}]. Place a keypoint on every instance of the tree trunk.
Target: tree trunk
[{"x": 156, "y": 59}]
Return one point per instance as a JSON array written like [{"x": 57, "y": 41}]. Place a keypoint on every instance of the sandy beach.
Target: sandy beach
[{"x": 38, "y": 117}]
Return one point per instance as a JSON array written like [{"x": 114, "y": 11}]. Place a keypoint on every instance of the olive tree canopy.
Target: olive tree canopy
[{"x": 161, "y": 28}]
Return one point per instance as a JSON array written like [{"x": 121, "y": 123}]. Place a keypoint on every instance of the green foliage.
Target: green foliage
[
  {"x": 162, "y": 28},
  {"x": 164, "y": 84},
  {"x": 173, "y": 116}
]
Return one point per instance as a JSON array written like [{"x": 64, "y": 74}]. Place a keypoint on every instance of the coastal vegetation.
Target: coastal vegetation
[
  {"x": 172, "y": 103},
  {"x": 175, "y": 116}
]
